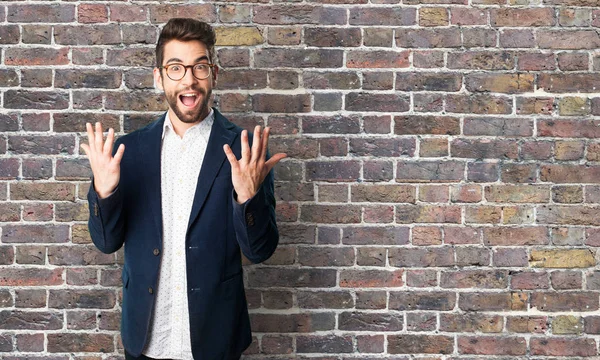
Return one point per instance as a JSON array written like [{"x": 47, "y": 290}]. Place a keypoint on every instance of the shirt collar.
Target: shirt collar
[{"x": 203, "y": 127}]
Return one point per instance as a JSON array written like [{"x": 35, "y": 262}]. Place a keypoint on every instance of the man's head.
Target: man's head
[{"x": 185, "y": 70}]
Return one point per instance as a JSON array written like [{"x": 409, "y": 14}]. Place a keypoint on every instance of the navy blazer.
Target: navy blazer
[{"x": 218, "y": 228}]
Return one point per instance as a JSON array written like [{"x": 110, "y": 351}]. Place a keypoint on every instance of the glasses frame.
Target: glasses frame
[{"x": 185, "y": 69}]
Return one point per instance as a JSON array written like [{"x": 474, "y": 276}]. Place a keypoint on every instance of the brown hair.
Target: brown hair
[{"x": 184, "y": 29}]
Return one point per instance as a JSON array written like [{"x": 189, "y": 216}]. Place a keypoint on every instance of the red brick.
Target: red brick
[
  {"x": 529, "y": 280},
  {"x": 573, "y": 61},
  {"x": 484, "y": 149},
  {"x": 285, "y": 323},
  {"x": 127, "y": 13},
  {"x": 515, "y": 17},
  {"x": 483, "y": 279},
  {"x": 267, "y": 277},
  {"x": 9, "y": 34},
  {"x": 87, "y": 35},
  {"x": 421, "y": 171},
  {"x": 461, "y": 235},
  {"x": 365, "y": 235},
  {"x": 468, "y": 16},
  {"x": 471, "y": 322},
  {"x": 510, "y": 236},
  {"x": 570, "y": 301},
  {"x": 434, "y": 193},
  {"x": 299, "y": 14},
  {"x": 41, "y": 100},
  {"x": 428, "y": 38},
  {"x": 429, "y": 235},
  {"x": 424, "y": 81},
  {"x": 536, "y": 61},
  {"x": 332, "y": 37},
  {"x": 377, "y": 59},
  {"x": 486, "y": 301},
  {"x": 421, "y": 257},
  {"x": 492, "y": 345},
  {"x": 563, "y": 347},
  {"x": 569, "y": 128},
  {"x": 428, "y": 59},
  {"x": 36, "y": 56},
  {"x": 478, "y": 104},
  {"x": 92, "y": 13},
  {"x": 377, "y": 102},
  {"x": 570, "y": 173},
  {"x": 498, "y": 127},
  {"x": 276, "y": 344},
  {"x": 363, "y": 321},
  {"x": 324, "y": 344},
  {"x": 80, "y": 342},
  {"x": 389, "y": 16},
  {"x": 32, "y": 13},
  {"x": 370, "y": 278},
  {"x": 284, "y": 35},
  {"x": 421, "y": 300},
  {"x": 162, "y": 13},
  {"x": 420, "y": 344},
  {"x": 568, "y": 40},
  {"x": 481, "y": 60}
]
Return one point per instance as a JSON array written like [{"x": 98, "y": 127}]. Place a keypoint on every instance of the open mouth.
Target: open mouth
[{"x": 189, "y": 100}]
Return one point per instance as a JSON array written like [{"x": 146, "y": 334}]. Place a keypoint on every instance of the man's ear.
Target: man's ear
[
  {"x": 215, "y": 73},
  {"x": 158, "y": 79}
]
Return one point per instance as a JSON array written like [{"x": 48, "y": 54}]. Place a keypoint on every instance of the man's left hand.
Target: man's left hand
[{"x": 248, "y": 173}]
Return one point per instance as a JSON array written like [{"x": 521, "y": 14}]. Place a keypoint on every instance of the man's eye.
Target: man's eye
[
  {"x": 200, "y": 66},
  {"x": 175, "y": 67}
]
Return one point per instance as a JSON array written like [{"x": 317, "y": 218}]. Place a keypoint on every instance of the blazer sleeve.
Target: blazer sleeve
[
  {"x": 106, "y": 221},
  {"x": 255, "y": 223}
]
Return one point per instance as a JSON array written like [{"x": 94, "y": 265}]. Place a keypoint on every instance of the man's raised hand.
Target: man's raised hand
[
  {"x": 248, "y": 173},
  {"x": 105, "y": 168}
]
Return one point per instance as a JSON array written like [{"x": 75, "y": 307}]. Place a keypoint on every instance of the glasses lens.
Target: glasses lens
[
  {"x": 201, "y": 71},
  {"x": 175, "y": 72}
]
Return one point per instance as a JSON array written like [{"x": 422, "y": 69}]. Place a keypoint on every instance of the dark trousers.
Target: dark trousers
[{"x": 143, "y": 357}]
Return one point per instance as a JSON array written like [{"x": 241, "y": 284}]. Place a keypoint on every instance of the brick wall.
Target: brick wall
[{"x": 439, "y": 199}]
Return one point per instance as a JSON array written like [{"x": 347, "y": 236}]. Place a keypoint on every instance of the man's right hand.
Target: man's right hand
[{"x": 105, "y": 167}]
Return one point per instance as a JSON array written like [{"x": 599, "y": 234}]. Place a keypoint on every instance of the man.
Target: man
[{"x": 183, "y": 212}]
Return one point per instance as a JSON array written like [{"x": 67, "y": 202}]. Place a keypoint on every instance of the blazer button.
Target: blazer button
[
  {"x": 150, "y": 290},
  {"x": 95, "y": 209},
  {"x": 156, "y": 252},
  {"x": 249, "y": 219}
]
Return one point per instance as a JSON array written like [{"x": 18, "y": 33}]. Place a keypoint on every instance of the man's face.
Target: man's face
[{"x": 189, "y": 98}]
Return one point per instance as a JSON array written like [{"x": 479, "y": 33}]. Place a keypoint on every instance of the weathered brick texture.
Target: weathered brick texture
[{"x": 440, "y": 199}]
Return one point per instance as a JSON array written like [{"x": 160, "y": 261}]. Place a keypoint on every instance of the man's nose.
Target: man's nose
[{"x": 188, "y": 77}]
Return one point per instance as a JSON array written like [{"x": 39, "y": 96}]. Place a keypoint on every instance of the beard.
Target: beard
[{"x": 190, "y": 116}]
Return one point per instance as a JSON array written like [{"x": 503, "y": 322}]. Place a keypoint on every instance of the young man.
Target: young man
[{"x": 184, "y": 195}]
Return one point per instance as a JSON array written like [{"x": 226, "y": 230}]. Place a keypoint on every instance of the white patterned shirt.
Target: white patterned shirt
[{"x": 181, "y": 160}]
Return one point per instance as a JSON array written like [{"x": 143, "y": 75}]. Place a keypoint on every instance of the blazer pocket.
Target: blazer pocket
[
  {"x": 125, "y": 278},
  {"x": 232, "y": 277}
]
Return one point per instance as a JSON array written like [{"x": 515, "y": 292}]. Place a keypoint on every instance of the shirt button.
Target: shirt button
[
  {"x": 150, "y": 290},
  {"x": 250, "y": 219},
  {"x": 156, "y": 252}
]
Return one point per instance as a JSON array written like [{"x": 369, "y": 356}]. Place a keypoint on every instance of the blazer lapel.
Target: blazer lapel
[
  {"x": 150, "y": 143},
  {"x": 214, "y": 157}
]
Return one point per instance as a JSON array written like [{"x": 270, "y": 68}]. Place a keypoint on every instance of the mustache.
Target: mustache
[{"x": 189, "y": 89}]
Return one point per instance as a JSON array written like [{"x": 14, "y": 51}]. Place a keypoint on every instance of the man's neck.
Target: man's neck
[{"x": 181, "y": 127}]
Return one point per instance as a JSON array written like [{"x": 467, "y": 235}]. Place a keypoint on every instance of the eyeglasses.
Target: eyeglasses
[{"x": 176, "y": 72}]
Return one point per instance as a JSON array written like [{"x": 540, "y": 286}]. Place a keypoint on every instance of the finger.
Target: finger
[
  {"x": 265, "y": 143},
  {"x": 230, "y": 156},
  {"x": 256, "y": 140},
  {"x": 119, "y": 154},
  {"x": 274, "y": 160},
  {"x": 86, "y": 149},
  {"x": 108, "y": 144},
  {"x": 91, "y": 137},
  {"x": 245, "y": 147},
  {"x": 98, "y": 137}
]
